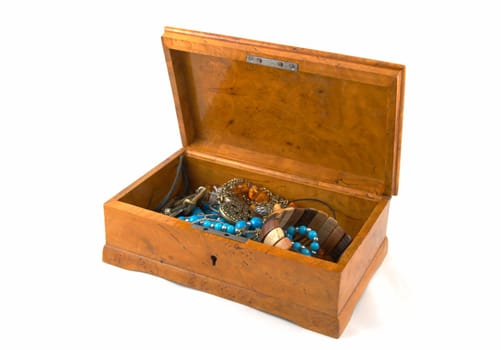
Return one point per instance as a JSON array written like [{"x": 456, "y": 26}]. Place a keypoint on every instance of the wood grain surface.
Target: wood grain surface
[
  {"x": 336, "y": 112},
  {"x": 330, "y": 130}
]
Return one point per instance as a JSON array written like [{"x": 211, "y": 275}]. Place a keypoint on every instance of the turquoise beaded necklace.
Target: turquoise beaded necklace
[{"x": 208, "y": 217}]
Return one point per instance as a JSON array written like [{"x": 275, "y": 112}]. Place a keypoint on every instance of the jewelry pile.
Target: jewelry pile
[{"x": 242, "y": 209}]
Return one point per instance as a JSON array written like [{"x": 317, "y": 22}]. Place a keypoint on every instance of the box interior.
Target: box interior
[{"x": 352, "y": 212}]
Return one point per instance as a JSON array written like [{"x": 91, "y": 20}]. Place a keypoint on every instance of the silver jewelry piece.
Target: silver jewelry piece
[{"x": 185, "y": 205}]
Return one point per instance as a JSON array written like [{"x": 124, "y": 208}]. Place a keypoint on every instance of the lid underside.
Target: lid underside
[{"x": 330, "y": 117}]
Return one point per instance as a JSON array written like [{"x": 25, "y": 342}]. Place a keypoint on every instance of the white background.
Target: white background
[{"x": 86, "y": 108}]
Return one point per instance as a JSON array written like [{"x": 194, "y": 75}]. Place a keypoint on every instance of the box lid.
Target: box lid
[{"x": 331, "y": 118}]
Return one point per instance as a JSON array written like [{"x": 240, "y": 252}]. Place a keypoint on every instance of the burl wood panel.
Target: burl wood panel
[
  {"x": 337, "y": 113},
  {"x": 328, "y": 324},
  {"x": 312, "y": 119}
]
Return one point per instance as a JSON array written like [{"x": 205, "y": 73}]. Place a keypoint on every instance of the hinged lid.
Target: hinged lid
[{"x": 332, "y": 118}]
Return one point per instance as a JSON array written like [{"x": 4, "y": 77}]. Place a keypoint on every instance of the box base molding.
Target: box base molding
[{"x": 331, "y": 325}]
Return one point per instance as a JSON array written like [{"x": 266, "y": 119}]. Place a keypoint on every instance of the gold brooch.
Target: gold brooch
[{"x": 239, "y": 199}]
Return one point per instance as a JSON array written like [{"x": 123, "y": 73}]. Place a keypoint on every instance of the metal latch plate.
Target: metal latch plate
[{"x": 270, "y": 62}]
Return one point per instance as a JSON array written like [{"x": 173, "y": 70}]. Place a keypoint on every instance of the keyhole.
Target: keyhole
[{"x": 213, "y": 259}]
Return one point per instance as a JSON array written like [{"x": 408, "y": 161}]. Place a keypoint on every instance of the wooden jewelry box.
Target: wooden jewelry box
[{"x": 300, "y": 122}]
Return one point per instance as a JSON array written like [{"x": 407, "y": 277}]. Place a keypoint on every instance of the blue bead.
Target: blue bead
[
  {"x": 314, "y": 246},
  {"x": 207, "y": 223},
  {"x": 290, "y": 237},
  {"x": 291, "y": 230},
  {"x": 218, "y": 226},
  {"x": 305, "y": 251},
  {"x": 181, "y": 217},
  {"x": 198, "y": 218},
  {"x": 230, "y": 229},
  {"x": 302, "y": 230},
  {"x": 312, "y": 234},
  {"x": 240, "y": 225},
  {"x": 296, "y": 246},
  {"x": 256, "y": 222},
  {"x": 197, "y": 211}
]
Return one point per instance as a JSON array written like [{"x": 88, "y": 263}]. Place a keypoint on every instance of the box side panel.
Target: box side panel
[
  {"x": 295, "y": 279},
  {"x": 360, "y": 255},
  {"x": 349, "y": 306}
]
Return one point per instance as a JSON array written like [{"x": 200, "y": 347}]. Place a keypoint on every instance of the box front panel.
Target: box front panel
[{"x": 253, "y": 266}]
